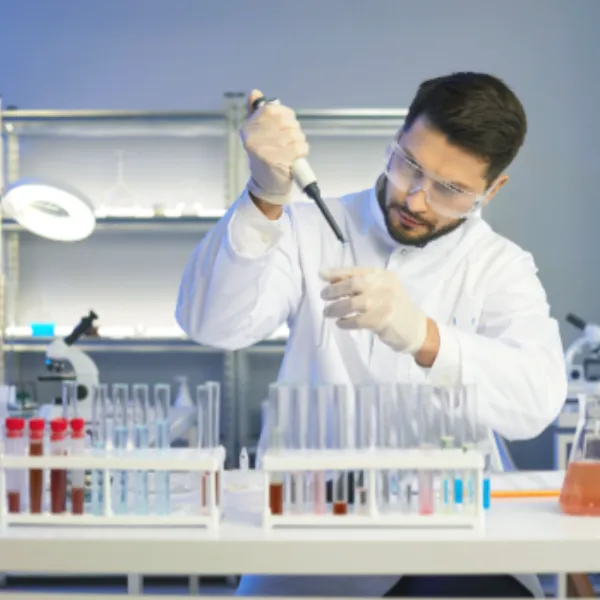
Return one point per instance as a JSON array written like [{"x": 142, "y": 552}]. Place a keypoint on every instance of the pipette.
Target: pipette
[{"x": 306, "y": 180}]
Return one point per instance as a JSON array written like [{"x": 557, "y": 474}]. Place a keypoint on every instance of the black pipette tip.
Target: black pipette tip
[{"x": 314, "y": 193}]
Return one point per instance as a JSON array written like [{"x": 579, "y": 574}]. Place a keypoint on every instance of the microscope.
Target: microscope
[
  {"x": 582, "y": 358},
  {"x": 62, "y": 354}
]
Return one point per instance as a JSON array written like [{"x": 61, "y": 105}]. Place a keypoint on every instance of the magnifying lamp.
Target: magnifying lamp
[{"x": 52, "y": 211}]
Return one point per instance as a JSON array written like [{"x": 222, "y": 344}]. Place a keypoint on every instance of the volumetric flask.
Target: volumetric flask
[{"x": 580, "y": 494}]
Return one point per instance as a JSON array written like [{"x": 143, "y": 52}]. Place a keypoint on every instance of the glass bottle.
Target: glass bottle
[{"x": 580, "y": 494}]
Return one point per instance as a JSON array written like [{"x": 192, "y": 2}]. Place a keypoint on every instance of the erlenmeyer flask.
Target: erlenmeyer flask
[{"x": 580, "y": 494}]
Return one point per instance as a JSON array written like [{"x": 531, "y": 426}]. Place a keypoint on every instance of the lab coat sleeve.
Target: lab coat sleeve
[
  {"x": 515, "y": 358},
  {"x": 243, "y": 281}
]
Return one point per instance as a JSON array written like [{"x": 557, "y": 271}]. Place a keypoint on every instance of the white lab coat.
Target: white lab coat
[{"x": 250, "y": 275}]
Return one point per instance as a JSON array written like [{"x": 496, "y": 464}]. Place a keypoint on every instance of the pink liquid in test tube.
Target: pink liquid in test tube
[{"x": 426, "y": 493}]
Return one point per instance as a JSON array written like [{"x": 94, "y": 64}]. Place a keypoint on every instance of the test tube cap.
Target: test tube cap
[
  {"x": 58, "y": 425},
  {"x": 37, "y": 424},
  {"x": 77, "y": 424},
  {"x": 15, "y": 424}
]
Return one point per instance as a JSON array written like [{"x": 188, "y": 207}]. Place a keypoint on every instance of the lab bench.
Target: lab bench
[{"x": 521, "y": 536}]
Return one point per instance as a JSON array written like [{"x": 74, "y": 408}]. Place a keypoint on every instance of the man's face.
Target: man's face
[{"x": 409, "y": 218}]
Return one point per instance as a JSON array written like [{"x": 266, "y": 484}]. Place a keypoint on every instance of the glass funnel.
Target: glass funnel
[{"x": 580, "y": 494}]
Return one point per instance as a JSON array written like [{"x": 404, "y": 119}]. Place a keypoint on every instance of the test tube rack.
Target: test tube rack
[
  {"x": 371, "y": 463},
  {"x": 208, "y": 463}
]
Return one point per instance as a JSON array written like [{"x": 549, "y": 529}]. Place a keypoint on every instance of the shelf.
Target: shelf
[
  {"x": 39, "y": 344},
  {"x": 108, "y": 123},
  {"x": 153, "y": 224}
]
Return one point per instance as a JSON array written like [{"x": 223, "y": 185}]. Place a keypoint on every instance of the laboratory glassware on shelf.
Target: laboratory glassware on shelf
[
  {"x": 580, "y": 494},
  {"x": 373, "y": 455},
  {"x": 131, "y": 473}
]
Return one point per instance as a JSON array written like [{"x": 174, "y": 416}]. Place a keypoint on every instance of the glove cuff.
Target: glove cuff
[{"x": 279, "y": 199}]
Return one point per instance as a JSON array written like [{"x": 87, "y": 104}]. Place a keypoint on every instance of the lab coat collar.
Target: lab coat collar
[{"x": 439, "y": 246}]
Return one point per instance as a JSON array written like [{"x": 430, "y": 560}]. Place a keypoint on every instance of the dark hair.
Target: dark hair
[{"x": 476, "y": 112}]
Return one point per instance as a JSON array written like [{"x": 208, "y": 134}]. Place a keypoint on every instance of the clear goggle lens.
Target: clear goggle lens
[{"x": 407, "y": 177}]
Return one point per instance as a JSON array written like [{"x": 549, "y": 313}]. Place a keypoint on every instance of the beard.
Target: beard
[{"x": 405, "y": 235}]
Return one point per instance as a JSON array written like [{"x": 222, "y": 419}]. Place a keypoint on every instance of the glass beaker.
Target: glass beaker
[{"x": 580, "y": 494}]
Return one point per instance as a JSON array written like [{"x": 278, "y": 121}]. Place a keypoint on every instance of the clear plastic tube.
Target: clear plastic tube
[
  {"x": 162, "y": 406},
  {"x": 58, "y": 477},
  {"x": 15, "y": 478},
  {"x": 77, "y": 448},
  {"x": 278, "y": 405},
  {"x": 407, "y": 427},
  {"x": 37, "y": 429},
  {"x": 428, "y": 439},
  {"x": 325, "y": 332},
  {"x": 298, "y": 441},
  {"x": 69, "y": 400},
  {"x": 341, "y": 398},
  {"x": 100, "y": 401},
  {"x": 465, "y": 484},
  {"x": 208, "y": 407},
  {"x": 120, "y": 442},
  {"x": 386, "y": 439},
  {"x": 141, "y": 442},
  {"x": 364, "y": 413},
  {"x": 317, "y": 430},
  {"x": 450, "y": 399}
]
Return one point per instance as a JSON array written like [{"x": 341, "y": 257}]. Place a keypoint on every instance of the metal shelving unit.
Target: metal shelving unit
[{"x": 19, "y": 125}]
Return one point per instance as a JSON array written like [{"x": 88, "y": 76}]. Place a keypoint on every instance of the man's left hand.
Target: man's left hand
[{"x": 375, "y": 299}]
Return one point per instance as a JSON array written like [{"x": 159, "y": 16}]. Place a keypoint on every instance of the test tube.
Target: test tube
[
  {"x": 207, "y": 405},
  {"x": 407, "y": 427},
  {"x": 58, "y": 477},
  {"x": 340, "y": 442},
  {"x": 69, "y": 399},
  {"x": 365, "y": 440},
  {"x": 77, "y": 448},
  {"x": 162, "y": 408},
  {"x": 36, "y": 476},
  {"x": 468, "y": 433},
  {"x": 141, "y": 442},
  {"x": 276, "y": 442},
  {"x": 428, "y": 439},
  {"x": 15, "y": 478},
  {"x": 317, "y": 432},
  {"x": 120, "y": 442},
  {"x": 99, "y": 440},
  {"x": 386, "y": 438},
  {"x": 297, "y": 424},
  {"x": 449, "y": 400}
]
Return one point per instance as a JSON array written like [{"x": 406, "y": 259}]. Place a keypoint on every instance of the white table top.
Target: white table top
[{"x": 520, "y": 537}]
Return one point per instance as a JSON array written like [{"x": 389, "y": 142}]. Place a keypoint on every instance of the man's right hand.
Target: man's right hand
[{"x": 273, "y": 140}]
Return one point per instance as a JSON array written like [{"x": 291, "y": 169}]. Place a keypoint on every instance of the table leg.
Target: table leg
[
  {"x": 135, "y": 585},
  {"x": 579, "y": 585}
]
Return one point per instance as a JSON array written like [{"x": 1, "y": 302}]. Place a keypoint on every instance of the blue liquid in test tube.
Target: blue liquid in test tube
[
  {"x": 162, "y": 404},
  {"x": 120, "y": 441},
  {"x": 141, "y": 442},
  {"x": 99, "y": 439}
]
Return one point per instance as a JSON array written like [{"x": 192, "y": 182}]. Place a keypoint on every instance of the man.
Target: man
[{"x": 426, "y": 291}]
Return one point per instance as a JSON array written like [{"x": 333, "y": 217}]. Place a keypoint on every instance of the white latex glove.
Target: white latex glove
[
  {"x": 375, "y": 299},
  {"x": 273, "y": 140}
]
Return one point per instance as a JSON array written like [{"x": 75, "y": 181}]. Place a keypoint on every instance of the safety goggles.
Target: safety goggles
[{"x": 444, "y": 198}]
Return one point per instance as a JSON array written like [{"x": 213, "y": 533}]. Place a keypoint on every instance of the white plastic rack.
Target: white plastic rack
[
  {"x": 463, "y": 465},
  {"x": 203, "y": 511}
]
